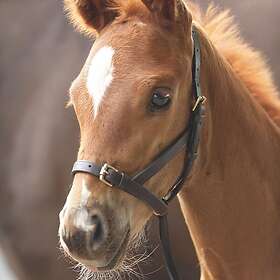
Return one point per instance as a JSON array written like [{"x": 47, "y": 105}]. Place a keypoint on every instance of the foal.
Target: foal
[{"x": 133, "y": 97}]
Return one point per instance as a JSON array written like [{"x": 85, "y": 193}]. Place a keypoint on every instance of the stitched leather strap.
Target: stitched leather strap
[
  {"x": 124, "y": 182},
  {"x": 156, "y": 165},
  {"x": 86, "y": 166},
  {"x": 165, "y": 241}
]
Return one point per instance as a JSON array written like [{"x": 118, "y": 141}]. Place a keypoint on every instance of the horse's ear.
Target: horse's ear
[
  {"x": 90, "y": 16},
  {"x": 169, "y": 10}
]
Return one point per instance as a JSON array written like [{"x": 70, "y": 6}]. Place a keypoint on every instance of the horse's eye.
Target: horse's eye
[{"x": 160, "y": 99}]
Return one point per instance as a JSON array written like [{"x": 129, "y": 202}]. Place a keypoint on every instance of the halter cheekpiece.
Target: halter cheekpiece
[{"x": 134, "y": 185}]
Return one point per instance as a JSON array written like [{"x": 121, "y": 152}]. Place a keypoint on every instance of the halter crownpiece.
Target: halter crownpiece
[{"x": 134, "y": 185}]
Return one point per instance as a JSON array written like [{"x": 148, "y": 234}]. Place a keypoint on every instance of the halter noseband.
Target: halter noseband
[{"x": 134, "y": 185}]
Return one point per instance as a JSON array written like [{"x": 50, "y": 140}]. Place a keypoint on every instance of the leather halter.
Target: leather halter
[{"x": 134, "y": 185}]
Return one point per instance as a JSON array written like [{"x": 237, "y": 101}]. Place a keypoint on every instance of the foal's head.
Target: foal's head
[{"x": 132, "y": 98}]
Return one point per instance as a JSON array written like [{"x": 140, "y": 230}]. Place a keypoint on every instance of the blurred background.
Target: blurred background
[{"x": 40, "y": 55}]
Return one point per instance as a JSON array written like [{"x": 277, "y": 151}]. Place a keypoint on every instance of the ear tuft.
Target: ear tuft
[
  {"x": 164, "y": 9},
  {"x": 89, "y": 16}
]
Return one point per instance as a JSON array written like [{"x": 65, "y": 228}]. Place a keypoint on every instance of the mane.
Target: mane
[{"x": 248, "y": 63}]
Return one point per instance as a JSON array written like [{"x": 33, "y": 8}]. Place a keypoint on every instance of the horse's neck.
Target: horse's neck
[{"x": 232, "y": 200}]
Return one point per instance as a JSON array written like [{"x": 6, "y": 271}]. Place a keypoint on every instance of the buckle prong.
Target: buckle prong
[
  {"x": 199, "y": 100},
  {"x": 105, "y": 171}
]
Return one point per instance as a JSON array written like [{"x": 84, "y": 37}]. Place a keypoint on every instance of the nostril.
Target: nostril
[
  {"x": 85, "y": 233},
  {"x": 75, "y": 242},
  {"x": 97, "y": 232}
]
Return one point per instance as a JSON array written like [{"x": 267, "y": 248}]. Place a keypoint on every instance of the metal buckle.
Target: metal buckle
[
  {"x": 200, "y": 99},
  {"x": 105, "y": 171}
]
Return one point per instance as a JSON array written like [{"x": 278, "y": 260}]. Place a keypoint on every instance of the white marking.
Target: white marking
[
  {"x": 82, "y": 216},
  {"x": 80, "y": 220},
  {"x": 61, "y": 224},
  {"x": 100, "y": 75},
  {"x": 85, "y": 194},
  {"x": 63, "y": 211}
]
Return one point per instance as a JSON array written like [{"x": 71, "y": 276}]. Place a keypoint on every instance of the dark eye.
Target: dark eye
[{"x": 160, "y": 99}]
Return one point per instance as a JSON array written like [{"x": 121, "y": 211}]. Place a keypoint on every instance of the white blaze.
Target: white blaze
[
  {"x": 82, "y": 216},
  {"x": 100, "y": 75},
  {"x": 85, "y": 194}
]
